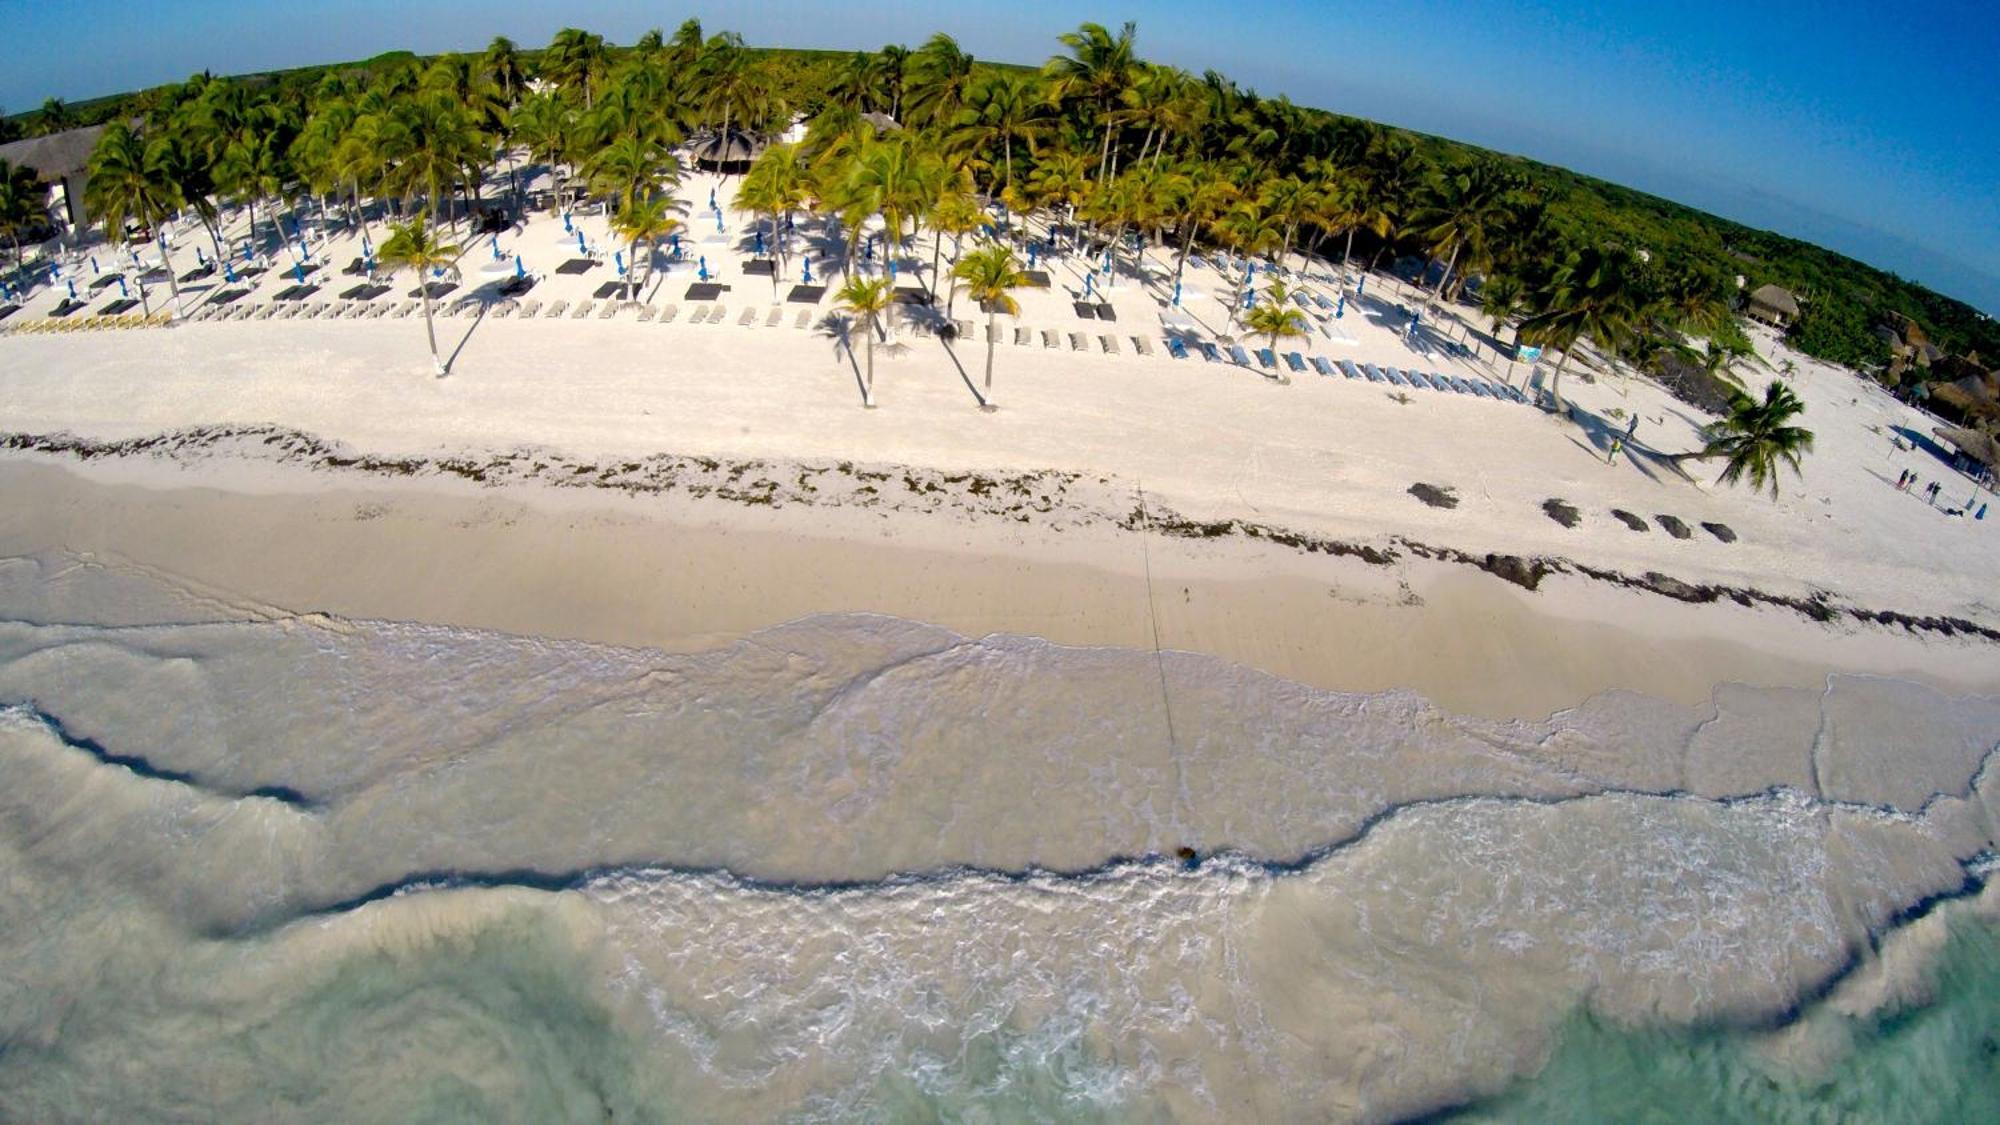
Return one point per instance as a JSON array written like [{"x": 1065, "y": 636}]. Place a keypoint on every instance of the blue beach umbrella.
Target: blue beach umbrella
[
  {"x": 674, "y": 244},
  {"x": 809, "y": 271},
  {"x": 704, "y": 267},
  {"x": 760, "y": 242},
  {"x": 72, "y": 290},
  {"x": 1177, "y": 294},
  {"x": 718, "y": 220},
  {"x": 122, "y": 291},
  {"x": 519, "y": 269},
  {"x": 1340, "y": 307},
  {"x": 1087, "y": 279},
  {"x": 580, "y": 248},
  {"x": 566, "y": 227},
  {"x": 618, "y": 259},
  {"x": 1361, "y": 286},
  {"x": 229, "y": 273}
]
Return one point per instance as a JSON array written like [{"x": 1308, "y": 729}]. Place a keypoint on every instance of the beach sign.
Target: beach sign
[{"x": 1527, "y": 354}]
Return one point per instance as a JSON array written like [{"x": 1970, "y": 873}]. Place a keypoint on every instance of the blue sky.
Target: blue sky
[{"x": 1869, "y": 128}]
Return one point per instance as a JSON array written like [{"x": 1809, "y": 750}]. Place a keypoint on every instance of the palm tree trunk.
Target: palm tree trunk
[
  {"x": 173, "y": 282},
  {"x": 1187, "y": 244},
  {"x": 991, "y": 314},
  {"x": 1104, "y": 155},
  {"x": 1555, "y": 385},
  {"x": 1007, "y": 150},
  {"x": 868, "y": 384},
  {"x": 430, "y": 330},
  {"x": 1449, "y": 265}
]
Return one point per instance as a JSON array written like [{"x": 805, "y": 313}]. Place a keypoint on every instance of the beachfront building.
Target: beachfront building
[
  {"x": 1772, "y": 305},
  {"x": 62, "y": 161}
]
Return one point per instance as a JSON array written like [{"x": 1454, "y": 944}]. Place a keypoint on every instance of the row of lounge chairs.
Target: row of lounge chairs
[
  {"x": 100, "y": 323},
  {"x": 1181, "y": 348}
]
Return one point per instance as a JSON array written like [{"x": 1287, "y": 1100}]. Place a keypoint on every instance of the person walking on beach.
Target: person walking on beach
[
  {"x": 1902, "y": 479},
  {"x": 1616, "y": 445}
]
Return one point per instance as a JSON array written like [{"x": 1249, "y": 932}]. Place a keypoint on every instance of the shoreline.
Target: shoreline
[{"x": 259, "y": 538}]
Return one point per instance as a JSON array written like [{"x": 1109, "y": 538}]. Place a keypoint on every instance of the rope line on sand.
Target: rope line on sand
[{"x": 1159, "y": 661}]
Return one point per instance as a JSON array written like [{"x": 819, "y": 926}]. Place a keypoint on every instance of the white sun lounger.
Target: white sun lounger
[
  {"x": 668, "y": 313},
  {"x": 1050, "y": 339},
  {"x": 748, "y": 318},
  {"x": 556, "y": 309},
  {"x": 1109, "y": 344},
  {"x": 1320, "y": 364},
  {"x": 1023, "y": 337},
  {"x": 804, "y": 320},
  {"x": 1347, "y": 368},
  {"x": 1141, "y": 345}
]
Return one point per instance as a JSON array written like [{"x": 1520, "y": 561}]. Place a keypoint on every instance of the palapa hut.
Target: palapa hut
[
  {"x": 61, "y": 160},
  {"x": 726, "y": 151},
  {"x": 1773, "y": 305},
  {"x": 1973, "y": 445}
]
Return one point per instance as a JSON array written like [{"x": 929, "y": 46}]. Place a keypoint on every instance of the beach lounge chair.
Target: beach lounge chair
[
  {"x": 748, "y": 318},
  {"x": 1512, "y": 393},
  {"x": 1077, "y": 342},
  {"x": 556, "y": 309},
  {"x": 962, "y": 329},
  {"x": 1478, "y": 387},
  {"x": 805, "y": 319},
  {"x": 505, "y": 308},
  {"x": 668, "y": 312},
  {"x": 699, "y": 315},
  {"x": 1109, "y": 344},
  {"x": 1141, "y": 345},
  {"x": 1348, "y": 369},
  {"x": 1374, "y": 373},
  {"x": 1023, "y": 337},
  {"x": 610, "y": 309},
  {"x": 582, "y": 309},
  {"x": 1176, "y": 348},
  {"x": 716, "y": 314},
  {"x": 1320, "y": 365},
  {"x": 1209, "y": 351},
  {"x": 1049, "y": 339},
  {"x": 1237, "y": 353},
  {"x": 1295, "y": 361},
  {"x": 647, "y": 313},
  {"x": 265, "y": 312},
  {"x": 1394, "y": 376},
  {"x": 1267, "y": 357},
  {"x": 1320, "y": 300},
  {"x": 772, "y": 318}
]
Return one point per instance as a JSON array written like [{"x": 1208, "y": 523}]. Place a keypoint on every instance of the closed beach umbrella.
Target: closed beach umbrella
[
  {"x": 1361, "y": 285},
  {"x": 760, "y": 242},
  {"x": 892, "y": 270},
  {"x": 579, "y": 243},
  {"x": 248, "y": 255},
  {"x": 72, "y": 290},
  {"x": 299, "y": 271},
  {"x": 618, "y": 259},
  {"x": 122, "y": 291},
  {"x": 809, "y": 271},
  {"x": 1177, "y": 294},
  {"x": 93, "y": 264},
  {"x": 566, "y": 227},
  {"x": 704, "y": 267},
  {"x": 496, "y": 248},
  {"x": 1033, "y": 248},
  {"x": 229, "y": 273},
  {"x": 1340, "y": 307},
  {"x": 1250, "y": 298},
  {"x": 718, "y": 220},
  {"x": 711, "y": 200},
  {"x": 674, "y": 244},
  {"x": 200, "y": 258},
  {"x": 1087, "y": 279},
  {"x": 519, "y": 269}
]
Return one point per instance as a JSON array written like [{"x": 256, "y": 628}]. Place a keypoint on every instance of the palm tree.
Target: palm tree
[
  {"x": 1276, "y": 319},
  {"x": 1003, "y": 109},
  {"x": 775, "y": 185},
  {"x": 545, "y": 125},
  {"x": 1456, "y": 213},
  {"x": 132, "y": 182},
  {"x": 1096, "y": 72},
  {"x": 1250, "y": 230},
  {"x": 54, "y": 117},
  {"x": 502, "y": 62},
  {"x": 1199, "y": 193},
  {"x": 988, "y": 275},
  {"x": 648, "y": 219},
  {"x": 940, "y": 72},
  {"x": 1590, "y": 294},
  {"x": 630, "y": 167},
  {"x": 22, "y": 199},
  {"x": 1757, "y": 438},
  {"x": 416, "y": 246},
  {"x": 957, "y": 214},
  {"x": 576, "y": 60},
  {"x": 867, "y": 298}
]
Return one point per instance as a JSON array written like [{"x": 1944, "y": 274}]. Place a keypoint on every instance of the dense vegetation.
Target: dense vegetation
[{"x": 1132, "y": 149}]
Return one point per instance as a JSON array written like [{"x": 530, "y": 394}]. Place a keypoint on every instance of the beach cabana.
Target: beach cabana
[
  {"x": 727, "y": 151},
  {"x": 1772, "y": 305},
  {"x": 61, "y": 160},
  {"x": 1973, "y": 445}
]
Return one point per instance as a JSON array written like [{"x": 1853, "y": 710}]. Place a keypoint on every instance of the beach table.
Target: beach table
[
  {"x": 436, "y": 289},
  {"x": 609, "y": 289},
  {"x": 1106, "y": 312},
  {"x": 8, "y": 310},
  {"x": 760, "y": 267},
  {"x": 154, "y": 276},
  {"x": 1037, "y": 278},
  {"x": 228, "y": 296},
  {"x": 1085, "y": 309},
  {"x": 197, "y": 273},
  {"x": 515, "y": 286},
  {"x": 577, "y": 266},
  {"x": 65, "y": 307},
  {"x": 298, "y": 293},
  {"x": 103, "y": 280},
  {"x": 912, "y": 295},
  {"x": 806, "y": 294},
  {"x": 364, "y": 292},
  {"x": 117, "y": 306},
  {"x": 704, "y": 291},
  {"x": 356, "y": 268}
]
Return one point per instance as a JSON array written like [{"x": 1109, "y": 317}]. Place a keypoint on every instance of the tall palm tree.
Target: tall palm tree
[
  {"x": 630, "y": 167},
  {"x": 1004, "y": 110},
  {"x": 22, "y": 204},
  {"x": 1758, "y": 439},
  {"x": 545, "y": 125},
  {"x": 867, "y": 298},
  {"x": 988, "y": 275},
  {"x": 417, "y": 247},
  {"x": 957, "y": 214},
  {"x": 502, "y": 62},
  {"x": 55, "y": 116},
  {"x": 645, "y": 220},
  {"x": 1250, "y": 230},
  {"x": 939, "y": 74},
  {"x": 1276, "y": 319},
  {"x": 1199, "y": 193},
  {"x": 774, "y": 186},
  {"x": 576, "y": 60},
  {"x": 1456, "y": 213},
  {"x": 1591, "y": 293},
  {"x": 131, "y": 181},
  {"x": 1096, "y": 73}
]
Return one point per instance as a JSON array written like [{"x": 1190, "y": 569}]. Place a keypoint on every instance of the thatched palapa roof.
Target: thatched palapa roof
[
  {"x": 719, "y": 147},
  {"x": 55, "y": 156},
  {"x": 1976, "y": 444},
  {"x": 1772, "y": 297}
]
